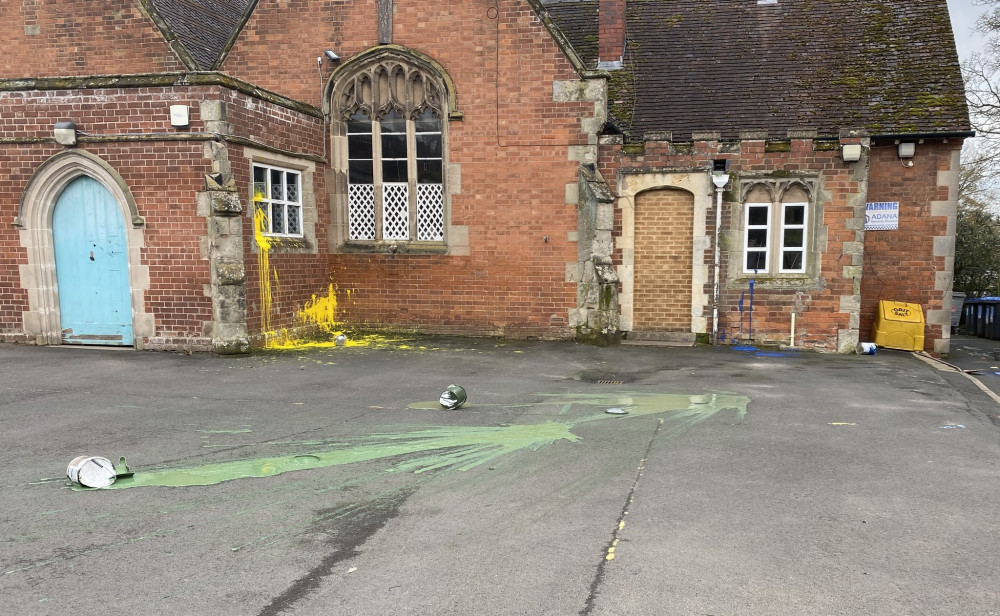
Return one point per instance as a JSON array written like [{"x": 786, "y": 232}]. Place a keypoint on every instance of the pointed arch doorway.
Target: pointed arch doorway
[{"x": 65, "y": 194}]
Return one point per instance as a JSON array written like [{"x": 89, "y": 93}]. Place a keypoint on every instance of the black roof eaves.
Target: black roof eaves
[
  {"x": 959, "y": 134},
  {"x": 174, "y": 43},
  {"x": 237, "y": 31}
]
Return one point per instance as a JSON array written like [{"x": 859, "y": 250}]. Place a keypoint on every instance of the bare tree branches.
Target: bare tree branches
[{"x": 977, "y": 242}]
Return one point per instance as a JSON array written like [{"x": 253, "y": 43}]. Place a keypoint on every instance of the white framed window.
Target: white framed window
[
  {"x": 794, "y": 232},
  {"x": 756, "y": 237},
  {"x": 278, "y": 192},
  {"x": 395, "y": 177},
  {"x": 775, "y": 237}
]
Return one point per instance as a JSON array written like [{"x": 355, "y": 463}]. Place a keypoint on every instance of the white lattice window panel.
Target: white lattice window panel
[
  {"x": 395, "y": 211},
  {"x": 430, "y": 212},
  {"x": 361, "y": 204}
]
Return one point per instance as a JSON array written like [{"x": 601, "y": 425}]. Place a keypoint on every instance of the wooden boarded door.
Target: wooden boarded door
[
  {"x": 88, "y": 233},
  {"x": 664, "y": 244}
]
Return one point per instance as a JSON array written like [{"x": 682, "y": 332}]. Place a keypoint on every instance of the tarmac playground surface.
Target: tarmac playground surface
[{"x": 331, "y": 481}]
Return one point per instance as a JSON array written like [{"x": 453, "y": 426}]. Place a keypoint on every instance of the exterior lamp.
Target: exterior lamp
[
  {"x": 65, "y": 133},
  {"x": 850, "y": 152}
]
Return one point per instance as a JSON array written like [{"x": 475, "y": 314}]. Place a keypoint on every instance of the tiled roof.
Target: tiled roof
[
  {"x": 888, "y": 66},
  {"x": 204, "y": 28}
]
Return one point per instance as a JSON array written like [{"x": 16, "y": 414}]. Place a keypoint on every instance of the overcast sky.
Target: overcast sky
[{"x": 963, "y": 19}]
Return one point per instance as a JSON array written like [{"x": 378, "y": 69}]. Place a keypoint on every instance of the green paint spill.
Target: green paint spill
[
  {"x": 459, "y": 447},
  {"x": 240, "y": 431}
]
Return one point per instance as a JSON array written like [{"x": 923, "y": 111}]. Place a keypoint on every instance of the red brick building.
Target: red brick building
[{"x": 195, "y": 174}]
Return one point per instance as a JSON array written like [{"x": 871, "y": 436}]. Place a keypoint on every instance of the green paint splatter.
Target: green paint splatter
[
  {"x": 240, "y": 431},
  {"x": 459, "y": 447}
]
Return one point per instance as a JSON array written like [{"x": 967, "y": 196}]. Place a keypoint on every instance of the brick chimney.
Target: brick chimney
[{"x": 610, "y": 34}]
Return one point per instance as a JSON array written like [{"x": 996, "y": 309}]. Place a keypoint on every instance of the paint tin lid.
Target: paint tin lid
[{"x": 91, "y": 471}]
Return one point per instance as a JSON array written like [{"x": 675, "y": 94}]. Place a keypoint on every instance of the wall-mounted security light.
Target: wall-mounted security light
[
  {"x": 179, "y": 116},
  {"x": 65, "y": 133},
  {"x": 331, "y": 57},
  {"x": 850, "y": 152},
  {"x": 907, "y": 149}
]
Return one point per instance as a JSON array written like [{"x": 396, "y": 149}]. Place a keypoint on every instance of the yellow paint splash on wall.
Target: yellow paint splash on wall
[
  {"x": 263, "y": 265},
  {"x": 321, "y": 311}
]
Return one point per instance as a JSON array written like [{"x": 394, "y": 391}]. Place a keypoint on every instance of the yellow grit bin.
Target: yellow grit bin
[{"x": 899, "y": 325}]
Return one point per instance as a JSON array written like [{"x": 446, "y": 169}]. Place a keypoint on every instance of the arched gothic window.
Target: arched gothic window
[{"x": 391, "y": 113}]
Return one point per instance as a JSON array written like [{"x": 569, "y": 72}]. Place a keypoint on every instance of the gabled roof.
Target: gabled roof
[
  {"x": 200, "y": 31},
  {"x": 888, "y": 67}
]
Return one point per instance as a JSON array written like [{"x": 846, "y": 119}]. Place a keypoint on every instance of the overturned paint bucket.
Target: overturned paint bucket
[
  {"x": 867, "y": 348},
  {"x": 91, "y": 471},
  {"x": 453, "y": 397}
]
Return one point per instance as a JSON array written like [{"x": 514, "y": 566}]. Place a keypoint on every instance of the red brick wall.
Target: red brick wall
[
  {"x": 512, "y": 147},
  {"x": 819, "y": 315},
  {"x": 164, "y": 176},
  {"x": 514, "y": 281},
  {"x": 295, "y": 275},
  {"x": 299, "y": 274},
  {"x": 48, "y": 38},
  {"x": 99, "y": 112},
  {"x": 18, "y": 163},
  {"x": 900, "y": 265}
]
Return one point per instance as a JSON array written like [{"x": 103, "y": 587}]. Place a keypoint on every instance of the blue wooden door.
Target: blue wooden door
[{"x": 88, "y": 233}]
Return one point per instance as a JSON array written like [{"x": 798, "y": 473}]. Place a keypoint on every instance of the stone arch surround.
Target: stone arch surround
[
  {"x": 41, "y": 322},
  {"x": 699, "y": 184}
]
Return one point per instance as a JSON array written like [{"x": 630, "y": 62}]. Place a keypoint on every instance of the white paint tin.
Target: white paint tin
[
  {"x": 867, "y": 348},
  {"x": 91, "y": 471}
]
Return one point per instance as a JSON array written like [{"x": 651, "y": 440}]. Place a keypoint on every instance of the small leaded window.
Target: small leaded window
[{"x": 278, "y": 192}]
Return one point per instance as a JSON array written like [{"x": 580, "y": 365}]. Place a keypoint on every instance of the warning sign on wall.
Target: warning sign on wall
[{"x": 882, "y": 216}]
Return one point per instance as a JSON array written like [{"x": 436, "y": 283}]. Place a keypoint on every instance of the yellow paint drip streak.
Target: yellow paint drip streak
[{"x": 260, "y": 227}]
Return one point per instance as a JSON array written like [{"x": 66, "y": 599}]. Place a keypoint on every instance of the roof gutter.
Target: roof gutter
[{"x": 952, "y": 135}]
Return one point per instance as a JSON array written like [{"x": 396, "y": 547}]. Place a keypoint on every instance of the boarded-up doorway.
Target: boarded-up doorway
[{"x": 664, "y": 244}]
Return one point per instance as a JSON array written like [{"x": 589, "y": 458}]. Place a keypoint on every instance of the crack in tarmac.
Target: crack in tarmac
[{"x": 610, "y": 549}]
